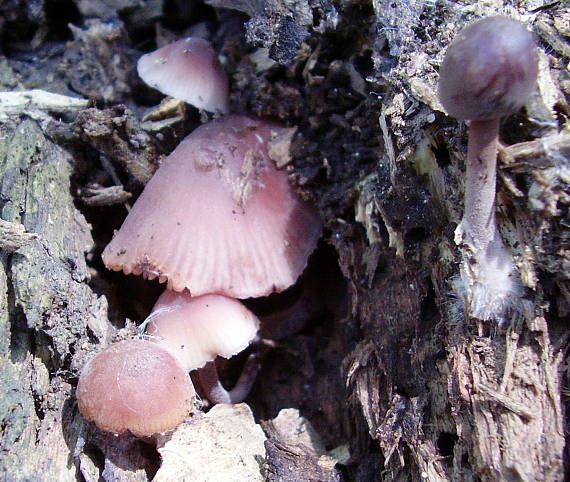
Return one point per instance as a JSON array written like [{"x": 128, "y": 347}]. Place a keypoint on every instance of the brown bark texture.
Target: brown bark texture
[{"x": 380, "y": 372}]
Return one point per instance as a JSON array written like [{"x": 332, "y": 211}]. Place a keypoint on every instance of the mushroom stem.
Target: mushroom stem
[
  {"x": 488, "y": 271},
  {"x": 479, "y": 216},
  {"x": 216, "y": 392}
]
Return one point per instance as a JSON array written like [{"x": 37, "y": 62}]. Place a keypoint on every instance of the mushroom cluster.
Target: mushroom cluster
[
  {"x": 489, "y": 71},
  {"x": 217, "y": 222}
]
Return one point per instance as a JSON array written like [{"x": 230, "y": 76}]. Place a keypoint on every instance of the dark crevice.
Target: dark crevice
[
  {"x": 96, "y": 455},
  {"x": 150, "y": 453},
  {"x": 446, "y": 444},
  {"x": 59, "y": 14},
  {"x": 40, "y": 412},
  {"x": 307, "y": 356},
  {"x": 441, "y": 154},
  {"x": 429, "y": 313},
  {"x": 21, "y": 337}
]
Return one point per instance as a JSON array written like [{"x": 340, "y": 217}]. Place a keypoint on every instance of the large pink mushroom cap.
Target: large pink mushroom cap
[
  {"x": 219, "y": 217},
  {"x": 188, "y": 70},
  {"x": 197, "y": 330},
  {"x": 135, "y": 385}
]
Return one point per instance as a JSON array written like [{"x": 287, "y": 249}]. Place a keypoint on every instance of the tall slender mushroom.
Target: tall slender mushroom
[
  {"x": 196, "y": 330},
  {"x": 489, "y": 71}
]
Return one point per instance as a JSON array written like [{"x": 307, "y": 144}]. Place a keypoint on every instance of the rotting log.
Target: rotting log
[
  {"x": 47, "y": 307},
  {"x": 403, "y": 382}
]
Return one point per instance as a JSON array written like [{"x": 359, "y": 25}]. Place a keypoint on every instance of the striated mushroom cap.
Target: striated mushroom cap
[
  {"x": 219, "y": 217},
  {"x": 188, "y": 70},
  {"x": 197, "y": 330},
  {"x": 489, "y": 70},
  {"x": 135, "y": 385}
]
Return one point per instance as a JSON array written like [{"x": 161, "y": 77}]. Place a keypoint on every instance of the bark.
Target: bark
[
  {"x": 393, "y": 375},
  {"x": 48, "y": 310}
]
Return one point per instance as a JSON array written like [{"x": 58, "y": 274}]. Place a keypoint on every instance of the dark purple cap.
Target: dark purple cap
[{"x": 489, "y": 70}]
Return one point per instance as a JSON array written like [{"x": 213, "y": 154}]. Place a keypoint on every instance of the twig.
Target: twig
[
  {"x": 38, "y": 100},
  {"x": 506, "y": 402}
]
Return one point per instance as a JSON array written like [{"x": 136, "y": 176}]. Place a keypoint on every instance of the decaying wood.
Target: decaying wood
[
  {"x": 296, "y": 462},
  {"x": 295, "y": 451},
  {"x": 104, "y": 196},
  {"x": 47, "y": 306},
  {"x": 13, "y": 236},
  {"x": 115, "y": 133},
  {"x": 36, "y": 101},
  {"x": 226, "y": 442},
  {"x": 390, "y": 373}
]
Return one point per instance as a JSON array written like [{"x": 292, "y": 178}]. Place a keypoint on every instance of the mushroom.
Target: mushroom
[
  {"x": 136, "y": 386},
  {"x": 219, "y": 217},
  {"x": 188, "y": 70},
  {"x": 197, "y": 330},
  {"x": 488, "y": 72}
]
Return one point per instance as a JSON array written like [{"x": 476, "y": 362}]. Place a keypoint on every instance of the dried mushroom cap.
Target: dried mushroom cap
[
  {"x": 489, "y": 70},
  {"x": 188, "y": 70},
  {"x": 135, "y": 385},
  {"x": 197, "y": 330},
  {"x": 219, "y": 217}
]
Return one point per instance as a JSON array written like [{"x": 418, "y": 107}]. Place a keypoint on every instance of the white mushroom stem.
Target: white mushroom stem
[{"x": 217, "y": 393}]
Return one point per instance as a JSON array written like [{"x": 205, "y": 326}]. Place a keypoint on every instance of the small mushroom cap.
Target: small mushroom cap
[
  {"x": 489, "y": 70},
  {"x": 188, "y": 70},
  {"x": 219, "y": 217},
  {"x": 135, "y": 385},
  {"x": 197, "y": 330}
]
